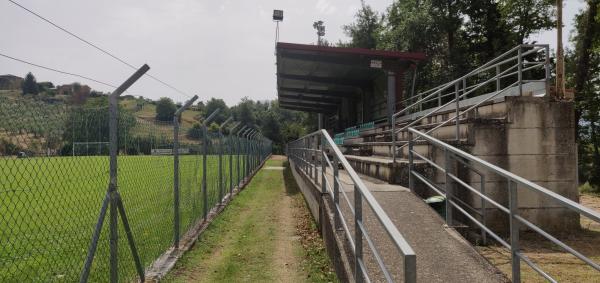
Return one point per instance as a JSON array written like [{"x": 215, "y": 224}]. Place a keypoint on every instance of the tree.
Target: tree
[
  {"x": 195, "y": 132},
  {"x": 45, "y": 86},
  {"x": 486, "y": 30},
  {"x": 584, "y": 63},
  {"x": 214, "y": 104},
  {"x": 524, "y": 17},
  {"x": 245, "y": 112},
  {"x": 364, "y": 32},
  {"x": 29, "y": 85},
  {"x": 270, "y": 127},
  {"x": 201, "y": 108},
  {"x": 165, "y": 109}
]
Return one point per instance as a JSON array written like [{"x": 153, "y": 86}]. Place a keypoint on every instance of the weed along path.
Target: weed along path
[{"x": 264, "y": 235}]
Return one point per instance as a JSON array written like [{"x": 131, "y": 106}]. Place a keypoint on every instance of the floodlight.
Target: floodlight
[{"x": 278, "y": 15}]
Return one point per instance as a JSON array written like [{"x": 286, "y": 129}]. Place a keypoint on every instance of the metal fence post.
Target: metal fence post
[
  {"x": 176, "y": 118},
  {"x": 247, "y": 155},
  {"x": 323, "y": 166},
  {"x": 204, "y": 153},
  {"x": 411, "y": 165},
  {"x": 358, "y": 235},
  {"x": 547, "y": 67},
  {"x": 204, "y": 188},
  {"x": 231, "y": 153},
  {"x": 220, "y": 174},
  {"x": 483, "y": 210},
  {"x": 393, "y": 146},
  {"x": 336, "y": 194},
  {"x": 250, "y": 154},
  {"x": 220, "y": 149},
  {"x": 239, "y": 151},
  {"x": 513, "y": 206},
  {"x": 112, "y": 199},
  {"x": 498, "y": 78},
  {"x": 248, "y": 149},
  {"x": 238, "y": 145},
  {"x": 316, "y": 158},
  {"x": 520, "y": 70},
  {"x": 457, "y": 94},
  {"x": 176, "y": 181},
  {"x": 448, "y": 187}
]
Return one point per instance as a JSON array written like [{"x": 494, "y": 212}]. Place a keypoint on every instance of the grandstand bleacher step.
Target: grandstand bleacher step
[{"x": 382, "y": 167}]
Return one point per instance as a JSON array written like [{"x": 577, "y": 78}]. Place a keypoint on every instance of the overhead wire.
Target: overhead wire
[
  {"x": 57, "y": 70},
  {"x": 97, "y": 47}
]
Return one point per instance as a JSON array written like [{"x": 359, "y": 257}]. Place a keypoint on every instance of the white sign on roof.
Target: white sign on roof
[{"x": 376, "y": 64}]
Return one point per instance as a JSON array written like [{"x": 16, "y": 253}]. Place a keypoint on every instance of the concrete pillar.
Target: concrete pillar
[
  {"x": 391, "y": 94},
  {"x": 399, "y": 90},
  {"x": 537, "y": 143},
  {"x": 320, "y": 122}
]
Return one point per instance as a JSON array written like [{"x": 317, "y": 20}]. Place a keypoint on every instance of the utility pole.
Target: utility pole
[
  {"x": 560, "y": 57},
  {"x": 318, "y": 25}
]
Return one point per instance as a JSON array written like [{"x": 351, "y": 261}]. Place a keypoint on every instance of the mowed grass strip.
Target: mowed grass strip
[
  {"x": 255, "y": 239},
  {"x": 49, "y": 207}
]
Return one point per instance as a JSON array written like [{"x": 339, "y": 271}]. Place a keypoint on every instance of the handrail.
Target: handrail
[
  {"x": 451, "y": 153},
  {"x": 309, "y": 154},
  {"x": 478, "y": 70},
  {"x": 496, "y": 64}
]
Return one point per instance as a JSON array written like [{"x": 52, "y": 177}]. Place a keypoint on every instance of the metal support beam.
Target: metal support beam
[
  {"x": 204, "y": 153},
  {"x": 321, "y": 92},
  {"x": 391, "y": 95},
  {"x": 112, "y": 194},
  {"x": 176, "y": 119}
]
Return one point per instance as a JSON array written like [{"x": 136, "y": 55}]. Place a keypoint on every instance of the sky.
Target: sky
[{"x": 222, "y": 49}]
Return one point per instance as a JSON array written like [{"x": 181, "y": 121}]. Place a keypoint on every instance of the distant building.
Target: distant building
[
  {"x": 79, "y": 93},
  {"x": 10, "y": 82},
  {"x": 73, "y": 88}
]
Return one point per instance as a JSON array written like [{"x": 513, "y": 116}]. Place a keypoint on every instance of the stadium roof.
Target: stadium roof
[{"x": 315, "y": 78}]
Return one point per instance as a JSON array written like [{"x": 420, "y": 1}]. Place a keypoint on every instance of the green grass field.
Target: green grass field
[{"x": 49, "y": 207}]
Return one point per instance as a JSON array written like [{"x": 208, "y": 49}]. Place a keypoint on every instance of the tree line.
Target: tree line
[{"x": 279, "y": 125}]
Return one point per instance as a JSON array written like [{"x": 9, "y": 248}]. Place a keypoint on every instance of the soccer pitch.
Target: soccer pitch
[{"x": 49, "y": 208}]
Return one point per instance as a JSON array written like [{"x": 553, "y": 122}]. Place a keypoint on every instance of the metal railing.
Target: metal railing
[
  {"x": 516, "y": 220},
  {"x": 310, "y": 155},
  {"x": 499, "y": 75}
]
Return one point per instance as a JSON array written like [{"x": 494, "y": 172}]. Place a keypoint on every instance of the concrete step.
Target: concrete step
[{"x": 382, "y": 167}]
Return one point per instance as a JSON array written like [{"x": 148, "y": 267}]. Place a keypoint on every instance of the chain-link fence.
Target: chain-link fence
[{"x": 63, "y": 171}]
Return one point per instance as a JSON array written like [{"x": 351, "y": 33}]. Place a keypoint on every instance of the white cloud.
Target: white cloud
[{"x": 325, "y": 7}]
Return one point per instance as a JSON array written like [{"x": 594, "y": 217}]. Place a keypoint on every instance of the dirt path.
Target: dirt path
[
  {"x": 286, "y": 258},
  {"x": 256, "y": 239}
]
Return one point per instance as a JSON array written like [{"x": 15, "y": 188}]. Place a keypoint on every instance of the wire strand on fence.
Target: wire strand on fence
[{"x": 51, "y": 191}]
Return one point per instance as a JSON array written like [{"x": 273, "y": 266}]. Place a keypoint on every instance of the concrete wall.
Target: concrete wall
[
  {"x": 322, "y": 210},
  {"x": 536, "y": 141}
]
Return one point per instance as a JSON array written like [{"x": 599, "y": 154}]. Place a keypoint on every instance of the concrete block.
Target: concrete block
[
  {"x": 541, "y": 141},
  {"x": 539, "y": 112},
  {"x": 488, "y": 139}
]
